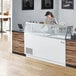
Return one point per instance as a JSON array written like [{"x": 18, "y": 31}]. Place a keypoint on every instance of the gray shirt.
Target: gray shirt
[{"x": 50, "y": 21}]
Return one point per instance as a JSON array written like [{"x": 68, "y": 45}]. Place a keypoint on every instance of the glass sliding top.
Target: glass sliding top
[{"x": 47, "y": 30}]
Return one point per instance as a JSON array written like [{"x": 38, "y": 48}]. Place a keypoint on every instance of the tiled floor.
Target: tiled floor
[{"x": 16, "y": 65}]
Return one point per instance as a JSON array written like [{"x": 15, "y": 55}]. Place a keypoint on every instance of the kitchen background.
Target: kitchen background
[{"x": 65, "y": 16}]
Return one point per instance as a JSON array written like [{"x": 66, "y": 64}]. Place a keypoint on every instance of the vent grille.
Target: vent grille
[{"x": 29, "y": 51}]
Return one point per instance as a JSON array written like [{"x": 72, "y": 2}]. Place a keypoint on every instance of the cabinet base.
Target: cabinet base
[
  {"x": 19, "y": 53},
  {"x": 69, "y": 65}
]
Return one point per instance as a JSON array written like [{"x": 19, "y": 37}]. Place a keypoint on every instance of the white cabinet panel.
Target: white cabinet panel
[{"x": 47, "y": 48}]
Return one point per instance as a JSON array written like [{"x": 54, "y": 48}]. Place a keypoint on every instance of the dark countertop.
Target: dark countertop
[
  {"x": 17, "y": 31},
  {"x": 73, "y": 38}
]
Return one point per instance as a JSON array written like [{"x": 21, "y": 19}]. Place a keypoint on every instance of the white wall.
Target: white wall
[
  {"x": 68, "y": 16},
  {"x": 21, "y": 16}
]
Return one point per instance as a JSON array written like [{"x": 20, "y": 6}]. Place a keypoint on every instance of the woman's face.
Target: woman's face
[{"x": 49, "y": 16}]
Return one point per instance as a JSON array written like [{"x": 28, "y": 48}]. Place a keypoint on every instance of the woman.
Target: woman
[{"x": 50, "y": 18}]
